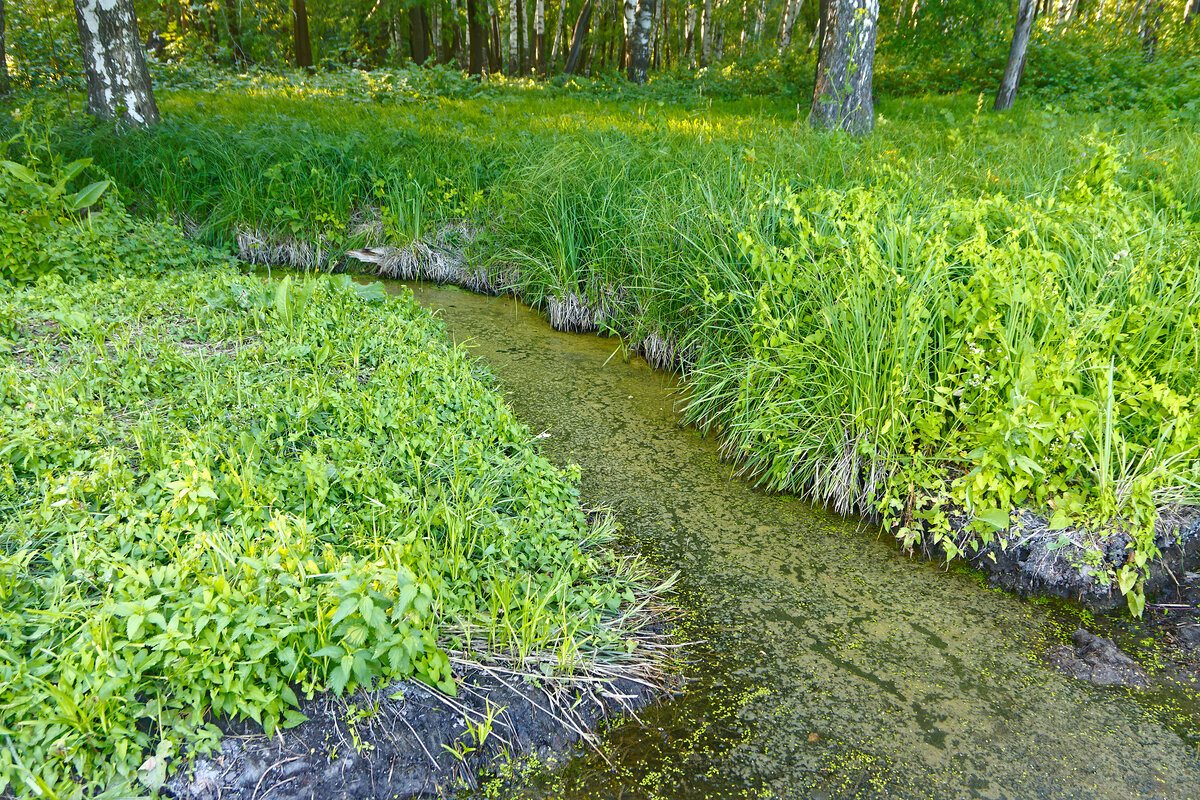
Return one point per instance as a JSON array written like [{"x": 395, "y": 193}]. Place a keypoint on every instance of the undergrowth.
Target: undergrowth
[{"x": 218, "y": 492}]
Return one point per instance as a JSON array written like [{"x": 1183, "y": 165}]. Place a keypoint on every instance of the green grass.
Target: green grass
[
  {"x": 964, "y": 312},
  {"x": 219, "y": 491}
]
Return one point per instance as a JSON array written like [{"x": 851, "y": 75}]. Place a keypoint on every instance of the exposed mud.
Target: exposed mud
[{"x": 406, "y": 740}]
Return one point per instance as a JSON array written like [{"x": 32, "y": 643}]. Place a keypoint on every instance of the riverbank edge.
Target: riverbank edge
[{"x": 1027, "y": 559}]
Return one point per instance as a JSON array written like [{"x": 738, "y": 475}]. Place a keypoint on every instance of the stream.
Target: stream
[{"x": 832, "y": 666}]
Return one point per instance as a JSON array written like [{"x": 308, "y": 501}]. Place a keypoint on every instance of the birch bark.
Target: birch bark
[
  {"x": 842, "y": 97},
  {"x": 118, "y": 84}
]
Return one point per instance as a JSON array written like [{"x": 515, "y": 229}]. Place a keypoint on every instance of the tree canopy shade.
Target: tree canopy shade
[
  {"x": 118, "y": 84},
  {"x": 842, "y": 98},
  {"x": 3, "y": 57}
]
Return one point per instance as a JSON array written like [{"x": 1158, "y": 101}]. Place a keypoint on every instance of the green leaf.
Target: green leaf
[
  {"x": 369, "y": 292},
  {"x": 1060, "y": 520},
  {"x": 88, "y": 195},
  {"x": 20, "y": 171},
  {"x": 998, "y": 518}
]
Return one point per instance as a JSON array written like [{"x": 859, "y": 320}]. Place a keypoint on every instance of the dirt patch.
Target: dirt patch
[{"x": 406, "y": 740}]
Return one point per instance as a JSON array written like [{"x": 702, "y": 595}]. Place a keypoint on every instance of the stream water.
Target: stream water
[{"x": 832, "y": 666}]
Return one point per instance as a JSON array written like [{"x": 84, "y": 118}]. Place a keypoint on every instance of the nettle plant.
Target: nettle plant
[{"x": 973, "y": 356}]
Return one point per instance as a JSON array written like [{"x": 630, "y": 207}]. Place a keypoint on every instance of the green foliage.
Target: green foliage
[
  {"x": 218, "y": 492},
  {"x": 965, "y": 311}
]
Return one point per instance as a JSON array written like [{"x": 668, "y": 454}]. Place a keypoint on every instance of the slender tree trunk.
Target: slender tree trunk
[
  {"x": 842, "y": 97},
  {"x": 579, "y": 39},
  {"x": 514, "y": 57},
  {"x": 639, "y": 49},
  {"x": 435, "y": 32},
  {"x": 539, "y": 35},
  {"x": 787, "y": 22},
  {"x": 418, "y": 34},
  {"x": 495, "y": 62},
  {"x": 300, "y": 34},
  {"x": 689, "y": 34},
  {"x": 4, "y": 82},
  {"x": 1151, "y": 21},
  {"x": 1015, "y": 68},
  {"x": 760, "y": 21},
  {"x": 706, "y": 34},
  {"x": 522, "y": 51},
  {"x": 1193, "y": 11},
  {"x": 475, "y": 35},
  {"x": 118, "y": 83},
  {"x": 558, "y": 30}
]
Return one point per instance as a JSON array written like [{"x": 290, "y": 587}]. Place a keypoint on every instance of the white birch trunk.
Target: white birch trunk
[
  {"x": 1007, "y": 93},
  {"x": 629, "y": 23},
  {"x": 539, "y": 34},
  {"x": 639, "y": 50},
  {"x": 842, "y": 98},
  {"x": 118, "y": 83},
  {"x": 787, "y": 22},
  {"x": 514, "y": 42},
  {"x": 706, "y": 34},
  {"x": 760, "y": 20}
]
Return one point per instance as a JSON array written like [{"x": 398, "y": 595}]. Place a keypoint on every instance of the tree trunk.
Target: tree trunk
[
  {"x": 1007, "y": 93},
  {"x": 631, "y": 8},
  {"x": 639, "y": 48},
  {"x": 787, "y": 22},
  {"x": 418, "y": 34},
  {"x": 539, "y": 34},
  {"x": 1193, "y": 11},
  {"x": 522, "y": 51},
  {"x": 4, "y": 83},
  {"x": 118, "y": 83},
  {"x": 475, "y": 34},
  {"x": 689, "y": 34},
  {"x": 706, "y": 34},
  {"x": 1151, "y": 20},
  {"x": 845, "y": 66},
  {"x": 558, "y": 29},
  {"x": 760, "y": 21},
  {"x": 579, "y": 39},
  {"x": 495, "y": 63},
  {"x": 435, "y": 32},
  {"x": 514, "y": 63},
  {"x": 300, "y": 31}
]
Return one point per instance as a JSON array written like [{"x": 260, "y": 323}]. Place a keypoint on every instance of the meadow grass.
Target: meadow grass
[{"x": 964, "y": 313}]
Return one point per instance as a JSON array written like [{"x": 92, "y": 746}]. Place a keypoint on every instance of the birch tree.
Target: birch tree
[
  {"x": 1193, "y": 11},
  {"x": 1007, "y": 93},
  {"x": 118, "y": 84},
  {"x": 514, "y": 53},
  {"x": 639, "y": 50},
  {"x": 842, "y": 97},
  {"x": 539, "y": 37},
  {"x": 706, "y": 34},
  {"x": 631, "y": 7},
  {"x": 787, "y": 21}
]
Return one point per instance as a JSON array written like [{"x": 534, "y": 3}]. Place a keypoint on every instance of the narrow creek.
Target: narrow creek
[{"x": 832, "y": 666}]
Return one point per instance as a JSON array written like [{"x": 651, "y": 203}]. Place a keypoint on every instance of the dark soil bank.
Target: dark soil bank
[{"x": 406, "y": 740}]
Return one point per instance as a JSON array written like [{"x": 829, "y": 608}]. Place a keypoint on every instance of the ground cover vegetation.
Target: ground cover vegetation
[
  {"x": 957, "y": 322},
  {"x": 964, "y": 313},
  {"x": 220, "y": 492}
]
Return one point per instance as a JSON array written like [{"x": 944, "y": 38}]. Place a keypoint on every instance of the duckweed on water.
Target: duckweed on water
[{"x": 217, "y": 492}]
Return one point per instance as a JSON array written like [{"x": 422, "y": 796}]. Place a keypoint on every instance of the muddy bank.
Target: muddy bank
[
  {"x": 1039, "y": 562},
  {"x": 408, "y": 740}
]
